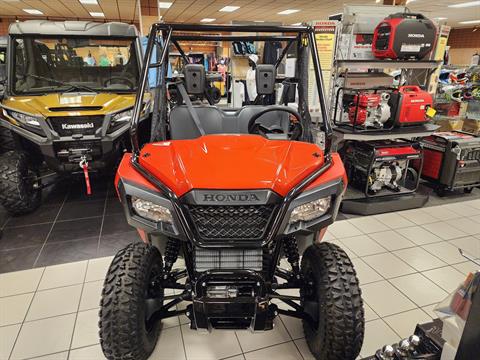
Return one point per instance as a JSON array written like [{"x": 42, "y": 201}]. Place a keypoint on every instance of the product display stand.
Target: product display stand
[{"x": 355, "y": 70}]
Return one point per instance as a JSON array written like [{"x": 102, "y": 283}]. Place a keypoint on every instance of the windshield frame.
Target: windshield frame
[{"x": 11, "y": 63}]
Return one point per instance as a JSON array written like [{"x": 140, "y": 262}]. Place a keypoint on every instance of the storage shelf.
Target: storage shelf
[
  {"x": 341, "y": 134},
  {"x": 385, "y": 64}
]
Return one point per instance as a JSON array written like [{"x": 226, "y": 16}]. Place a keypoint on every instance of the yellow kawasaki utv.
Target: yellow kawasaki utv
[{"x": 66, "y": 104}]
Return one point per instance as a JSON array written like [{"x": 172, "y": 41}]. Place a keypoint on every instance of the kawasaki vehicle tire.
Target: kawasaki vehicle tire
[
  {"x": 19, "y": 187},
  {"x": 131, "y": 292},
  {"x": 7, "y": 141},
  {"x": 332, "y": 298}
]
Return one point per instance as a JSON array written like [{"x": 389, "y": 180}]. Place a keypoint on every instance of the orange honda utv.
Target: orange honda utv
[{"x": 235, "y": 193}]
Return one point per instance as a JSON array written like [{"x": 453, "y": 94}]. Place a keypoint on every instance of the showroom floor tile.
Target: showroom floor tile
[{"x": 406, "y": 263}]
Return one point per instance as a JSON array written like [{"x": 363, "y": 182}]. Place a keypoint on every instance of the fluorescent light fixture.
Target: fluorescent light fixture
[
  {"x": 97, "y": 14},
  {"x": 89, "y": 2},
  {"x": 164, "y": 5},
  {"x": 465, "y": 4},
  {"x": 378, "y": 1},
  {"x": 259, "y": 21},
  {"x": 229, "y": 8},
  {"x": 288, "y": 12},
  {"x": 470, "y": 22},
  {"x": 33, "y": 11},
  {"x": 409, "y": 1},
  {"x": 297, "y": 24},
  {"x": 441, "y": 18},
  {"x": 207, "y": 20}
]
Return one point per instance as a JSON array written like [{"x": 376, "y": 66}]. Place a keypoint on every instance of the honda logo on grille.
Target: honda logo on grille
[
  {"x": 230, "y": 197},
  {"x": 88, "y": 125}
]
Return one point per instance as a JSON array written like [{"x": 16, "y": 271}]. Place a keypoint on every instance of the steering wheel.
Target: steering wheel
[
  {"x": 295, "y": 128},
  {"x": 122, "y": 79}
]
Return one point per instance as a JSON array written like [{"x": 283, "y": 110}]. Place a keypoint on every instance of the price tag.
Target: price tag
[{"x": 431, "y": 112}]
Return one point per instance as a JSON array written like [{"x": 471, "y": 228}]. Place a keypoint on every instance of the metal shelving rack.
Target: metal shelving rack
[{"x": 412, "y": 72}]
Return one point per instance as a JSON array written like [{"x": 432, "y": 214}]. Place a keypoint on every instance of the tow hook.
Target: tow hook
[{"x": 84, "y": 166}]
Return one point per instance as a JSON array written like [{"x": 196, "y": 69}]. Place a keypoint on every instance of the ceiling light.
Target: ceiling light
[
  {"x": 89, "y": 2},
  {"x": 378, "y": 1},
  {"x": 207, "y": 20},
  {"x": 97, "y": 14},
  {"x": 33, "y": 11},
  {"x": 164, "y": 5},
  {"x": 465, "y": 4},
  {"x": 288, "y": 12},
  {"x": 470, "y": 22},
  {"x": 441, "y": 18},
  {"x": 229, "y": 8},
  {"x": 297, "y": 24},
  {"x": 409, "y": 1},
  {"x": 259, "y": 21}
]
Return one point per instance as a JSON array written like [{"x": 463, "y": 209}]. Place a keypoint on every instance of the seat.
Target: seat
[{"x": 219, "y": 121}]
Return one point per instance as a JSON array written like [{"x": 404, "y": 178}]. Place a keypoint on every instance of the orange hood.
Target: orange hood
[{"x": 231, "y": 162}]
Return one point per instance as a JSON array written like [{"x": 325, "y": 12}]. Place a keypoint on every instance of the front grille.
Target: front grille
[
  {"x": 471, "y": 154},
  {"x": 230, "y": 222},
  {"x": 232, "y": 259},
  {"x": 71, "y": 125}
]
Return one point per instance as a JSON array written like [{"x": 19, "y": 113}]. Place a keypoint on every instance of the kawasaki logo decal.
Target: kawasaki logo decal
[{"x": 77, "y": 126}]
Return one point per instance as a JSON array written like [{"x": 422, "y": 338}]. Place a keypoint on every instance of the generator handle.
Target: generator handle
[
  {"x": 414, "y": 88},
  {"x": 408, "y": 15}
]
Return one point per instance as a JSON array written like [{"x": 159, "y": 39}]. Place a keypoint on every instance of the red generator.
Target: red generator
[
  {"x": 404, "y": 36},
  {"x": 452, "y": 161},
  {"x": 410, "y": 104}
]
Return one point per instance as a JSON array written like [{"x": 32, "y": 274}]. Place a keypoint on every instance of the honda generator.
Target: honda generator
[
  {"x": 452, "y": 161},
  {"x": 370, "y": 109},
  {"x": 382, "y": 167},
  {"x": 404, "y": 36},
  {"x": 410, "y": 105}
]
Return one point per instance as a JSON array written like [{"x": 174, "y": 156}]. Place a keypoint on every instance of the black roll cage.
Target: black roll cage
[{"x": 166, "y": 31}]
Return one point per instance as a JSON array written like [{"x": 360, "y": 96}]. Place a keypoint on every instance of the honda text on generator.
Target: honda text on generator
[
  {"x": 67, "y": 104},
  {"x": 232, "y": 191},
  {"x": 404, "y": 36},
  {"x": 452, "y": 161}
]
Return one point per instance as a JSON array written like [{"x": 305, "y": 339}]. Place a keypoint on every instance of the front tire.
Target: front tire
[
  {"x": 332, "y": 297},
  {"x": 19, "y": 189},
  {"x": 131, "y": 284}
]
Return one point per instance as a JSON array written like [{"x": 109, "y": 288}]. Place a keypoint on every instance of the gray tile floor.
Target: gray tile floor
[{"x": 406, "y": 262}]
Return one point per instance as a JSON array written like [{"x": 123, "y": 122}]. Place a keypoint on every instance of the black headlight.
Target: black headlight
[{"x": 29, "y": 122}]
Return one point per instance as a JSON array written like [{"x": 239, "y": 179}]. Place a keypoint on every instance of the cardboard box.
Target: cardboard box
[
  {"x": 356, "y": 47},
  {"x": 471, "y": 126},
  {"x": 368, "y": 80},
  {"x": 450, "y": 124}
]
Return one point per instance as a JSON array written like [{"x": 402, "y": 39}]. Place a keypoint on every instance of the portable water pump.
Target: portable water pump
[{"x": 370, "y": 110}]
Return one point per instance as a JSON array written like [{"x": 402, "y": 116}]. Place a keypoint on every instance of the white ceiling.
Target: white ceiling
[{"x": 250, "y": 10}]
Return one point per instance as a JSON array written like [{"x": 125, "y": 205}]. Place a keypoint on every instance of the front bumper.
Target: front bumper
[
  {"x": 184, "y": 229},
  {"x": 248, "y": 309},
  {"x": 63, "y": 153}
]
